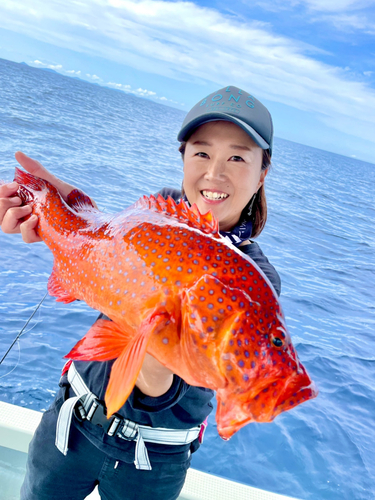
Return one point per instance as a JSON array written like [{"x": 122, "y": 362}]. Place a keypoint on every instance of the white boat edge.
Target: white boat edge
[{"x": 17, "y": 426}]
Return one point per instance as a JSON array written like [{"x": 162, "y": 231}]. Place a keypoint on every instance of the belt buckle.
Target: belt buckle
[
  {"x": 129, "y": 430},
  {"x": 97, "y": 415}
]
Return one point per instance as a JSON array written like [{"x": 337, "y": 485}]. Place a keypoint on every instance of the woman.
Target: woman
[{"x": 226, "y": 145}]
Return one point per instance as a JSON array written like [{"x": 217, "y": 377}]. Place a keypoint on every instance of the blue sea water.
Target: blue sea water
[{"x": 320, "y": 236}]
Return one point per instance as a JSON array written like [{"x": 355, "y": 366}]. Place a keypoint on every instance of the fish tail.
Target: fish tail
[{"x": 30, "y": 181}]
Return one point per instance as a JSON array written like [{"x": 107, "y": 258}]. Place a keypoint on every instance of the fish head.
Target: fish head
[{"x": 264, "y": 374}]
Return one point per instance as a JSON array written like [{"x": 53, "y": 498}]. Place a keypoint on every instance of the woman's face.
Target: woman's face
[{"x": 222, "y": 170}]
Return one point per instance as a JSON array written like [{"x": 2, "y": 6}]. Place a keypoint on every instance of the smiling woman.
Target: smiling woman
[
  {"x": 225, "y": 139},
  {"x": 226, "y": 147}
]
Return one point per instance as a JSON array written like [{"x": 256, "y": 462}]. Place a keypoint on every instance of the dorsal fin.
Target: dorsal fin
[{"x": 180, "y": 211}]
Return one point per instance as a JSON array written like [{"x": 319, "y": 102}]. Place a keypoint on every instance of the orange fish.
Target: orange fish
[{"x": 175, "y": 288}]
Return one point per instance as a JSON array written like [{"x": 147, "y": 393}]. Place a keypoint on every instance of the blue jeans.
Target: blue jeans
[{"x": 52, "y": 476}]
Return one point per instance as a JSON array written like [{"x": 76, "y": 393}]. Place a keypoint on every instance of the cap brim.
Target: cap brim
[{"x": 186, "y": 131}]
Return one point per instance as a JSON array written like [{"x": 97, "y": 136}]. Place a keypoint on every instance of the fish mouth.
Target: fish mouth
[
  {"x": 291, "y": 397},
  {"x": 263, "y": 406}
]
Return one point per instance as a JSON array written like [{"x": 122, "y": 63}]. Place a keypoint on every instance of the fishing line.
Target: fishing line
[
  {"x": 19, "y": 350},
  {"x": 18, "y": 360},
  {"x": 23, "y": 328}
]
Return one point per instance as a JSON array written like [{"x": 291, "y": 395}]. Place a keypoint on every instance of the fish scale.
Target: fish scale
[{"x": 173, "y": 287}]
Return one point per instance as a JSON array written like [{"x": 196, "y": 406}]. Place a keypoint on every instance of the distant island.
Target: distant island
[{"x": 44, "y": 69}]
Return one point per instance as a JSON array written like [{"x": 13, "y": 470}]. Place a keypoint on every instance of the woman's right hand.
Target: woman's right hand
[{"x": 14, "y": 217}]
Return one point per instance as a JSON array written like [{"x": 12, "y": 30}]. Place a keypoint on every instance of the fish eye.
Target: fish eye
[{"x": 277, "y": 342}]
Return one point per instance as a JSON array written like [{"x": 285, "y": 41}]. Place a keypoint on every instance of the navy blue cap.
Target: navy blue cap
[{"x": 234, "y": 105}]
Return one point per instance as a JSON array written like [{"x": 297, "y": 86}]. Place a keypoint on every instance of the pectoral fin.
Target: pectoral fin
[{"x": 104, "y": 341}]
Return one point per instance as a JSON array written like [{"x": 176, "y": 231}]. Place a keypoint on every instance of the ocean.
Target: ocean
[{"x": 320, "y": 236}]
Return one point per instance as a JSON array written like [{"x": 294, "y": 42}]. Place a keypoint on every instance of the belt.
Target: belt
[{"x": 89, "y": 407}]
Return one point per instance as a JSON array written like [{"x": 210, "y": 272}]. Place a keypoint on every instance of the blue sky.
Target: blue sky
[{"x": 312, "y": 62}]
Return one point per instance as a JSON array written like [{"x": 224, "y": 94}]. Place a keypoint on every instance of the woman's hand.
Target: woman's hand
[
  {"x": 14, "y": 217},
  {"x": 12, "y": 214}
]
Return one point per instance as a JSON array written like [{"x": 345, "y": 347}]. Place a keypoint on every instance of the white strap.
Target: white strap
[
  {"x": 64, "y": 420},
  {"x": 76, "y": 381},
  {"x": 168, "y": 436},
  {"x": 63, "y": 424},
  {"x": 141, "y": 461},
  {"x": 143, "y": 433}
]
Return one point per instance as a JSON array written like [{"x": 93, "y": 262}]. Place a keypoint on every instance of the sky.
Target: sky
[{"x": 311, "y": 62}]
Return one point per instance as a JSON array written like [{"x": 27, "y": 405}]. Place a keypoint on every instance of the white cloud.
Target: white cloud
[
  {"x": 336, "y": 5},
  {"x": 46, "y": 65},
  {"x": 140, "y": 92},
  {"x": 93, "y": 77},
  {"x": 349, "y": 22},
  {"x": 145, "y": 92},
  {"x": 73, "y": 72},
  {"x": 119, "y": 86},
  {"x": 158, "y": 35},
  {"x": 344, "y": 15},
  {"x": 318, "y": 5}
]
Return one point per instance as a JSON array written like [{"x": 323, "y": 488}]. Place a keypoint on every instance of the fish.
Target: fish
[{"x": 172, "y": 286}]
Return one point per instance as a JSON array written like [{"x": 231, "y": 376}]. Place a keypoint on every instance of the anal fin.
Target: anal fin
[{"x": 56, "y": 288}]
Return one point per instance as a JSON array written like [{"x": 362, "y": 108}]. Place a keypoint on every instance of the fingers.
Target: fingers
[
  {"x": 12, "y": 214},
  {"x": 14, "y": 222},
  {"x": 8, "y": 202},
  {"x": 29, "y": 230},
  {"x": 7, "y": 190},
  {"x": 37, "y": 169}
]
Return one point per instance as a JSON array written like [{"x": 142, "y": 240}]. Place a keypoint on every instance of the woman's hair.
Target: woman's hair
[{"x": 258, "y": 214}]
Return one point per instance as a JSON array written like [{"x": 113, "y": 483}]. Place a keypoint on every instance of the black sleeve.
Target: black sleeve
[{"x": 255, "y": 253}]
